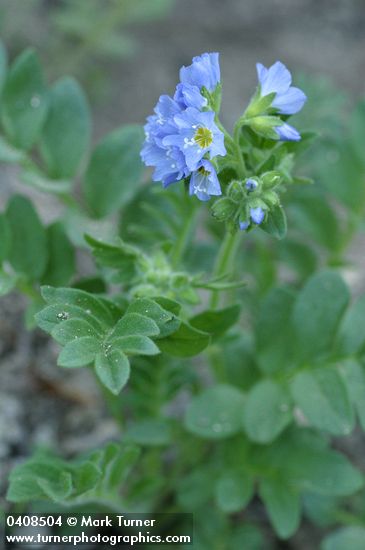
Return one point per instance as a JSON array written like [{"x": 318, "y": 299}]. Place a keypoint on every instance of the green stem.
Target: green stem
[
  {"x": 241, "y": 168},
  {"x": 184, "y": 237},
  {"x": 227, "y": 136},
  {"x": 347, "y": 518},
  {"x": 233, "y": 146},
  {"x": 224, "y": 261},
  {"x": 113, "y": 403},
  {"x": 217, "y": 363}
]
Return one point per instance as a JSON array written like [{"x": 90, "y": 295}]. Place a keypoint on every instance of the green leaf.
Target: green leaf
[
  {"x": 321, "y": 471},
  {"x": 223, "y": 209},
  {"x": 25, "y": 100},
  {"x": 5, "y": 238},
  {"x": 85, "y": 477},
  {"x": 216, "y": 413},
  {"x": 311, "y": 214},
  {"x": 112, "y": 369},
  {"x": 79, "y": 352},
  {"x": 259, "y": 104},
  {"x": 61, "y": 260},
  {"x": 354, "y": 377},
  {"x": 66, "y": 133},
  {"x": 299, "y": 257},
  {"x": 116, "y": 464},
  {"x": 195, "y": 489},
  {"x": 152, "y": 432},
  {"x": 165, "y": 320},
  {"x": 214, "y": 322},
  {"x": 351, "y": 334},
  {"x": 97, "y": 476},
  {"x": 321, "y": 510},
  {"x": 317, "y": 313},
  {"x": 351, "y": 538},
  {"x": 169, "y": 305},
  {"x": 42, "y": 477},
  {"x": 185, "y": 342},
  {"x": 133, "y": 324},
  {"x": 116, "y": 254},
  {"x": 301, "y": 458},
  {"x": 267, "y": 411},
  {"x": 115, "y": 171},
  {"x": 275, "y": 223},
  {"x": 283, "y": 506},
  {"x": 220, "y": 285},
  {"x": 59, "y": 489},
  {"x": 136, "y": 345},
  {"x": 274, "y": 333},
  {"x": 265, "y": 126},
  {"x": 233, "y": 491},
  {"x": 83, "y": 300},
  {"x": 28, "y": 252},
  {"x": 55, "y": 314},
  {"x": 322, "y": 397},
  {"x": 72, "y": 329}
]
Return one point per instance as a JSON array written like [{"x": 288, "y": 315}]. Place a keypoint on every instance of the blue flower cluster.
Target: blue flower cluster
[{"x": 182, "y": 134}]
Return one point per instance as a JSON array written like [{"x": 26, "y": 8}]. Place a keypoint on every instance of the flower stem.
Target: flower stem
[
  {"x": 184, "y": 236},
  {"x": 241, "y": 169},
  {"x": 224, "y": 261}
]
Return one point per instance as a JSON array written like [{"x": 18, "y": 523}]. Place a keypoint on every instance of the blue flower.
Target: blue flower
[
  {"x": 244, "y": 225},
  {"x": 257, "y": 215},
  {"x": 251, "y": 184},
  {"x": 179, "y": 134},
  {"x": 187, "y": 95},
  {"x": 204, "y": 181},
  {"x": 161, "y": 123},
  {"x": 277, "y": 79},
  {"x": 169, "y": 163},
  {"x": 287, "y": 133},
  {"x": 204, "y": 71},
  {"x": 197, "y": 134}
]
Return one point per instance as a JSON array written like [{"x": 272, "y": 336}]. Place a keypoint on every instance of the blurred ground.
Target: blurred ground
[{"x": 320, "y": 37}]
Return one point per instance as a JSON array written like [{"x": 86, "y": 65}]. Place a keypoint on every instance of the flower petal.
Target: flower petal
[
  {"x": 287, "y": 133},
  {"x": 261, "y": 72},
  {"x": 290, "y": 102},
  {"x": 257, "y": 215},
  {"x": 244, "y": 225},
  {"x": 277, "y": 79},
  {"x": 204, "y": 71}
]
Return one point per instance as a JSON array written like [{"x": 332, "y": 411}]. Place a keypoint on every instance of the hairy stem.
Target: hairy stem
[
  {"x": 224, "y": 261},
  {"x": 241, "y": 168},
  {"x": 184, "y": 237}
]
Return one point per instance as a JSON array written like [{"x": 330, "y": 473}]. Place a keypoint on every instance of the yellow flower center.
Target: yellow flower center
[{"x": 203, "y": 137}]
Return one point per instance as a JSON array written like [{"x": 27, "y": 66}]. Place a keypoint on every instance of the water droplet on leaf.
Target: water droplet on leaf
[
  {"x": 35, "y": 101},
  {"x": 63, "y": 315}
]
